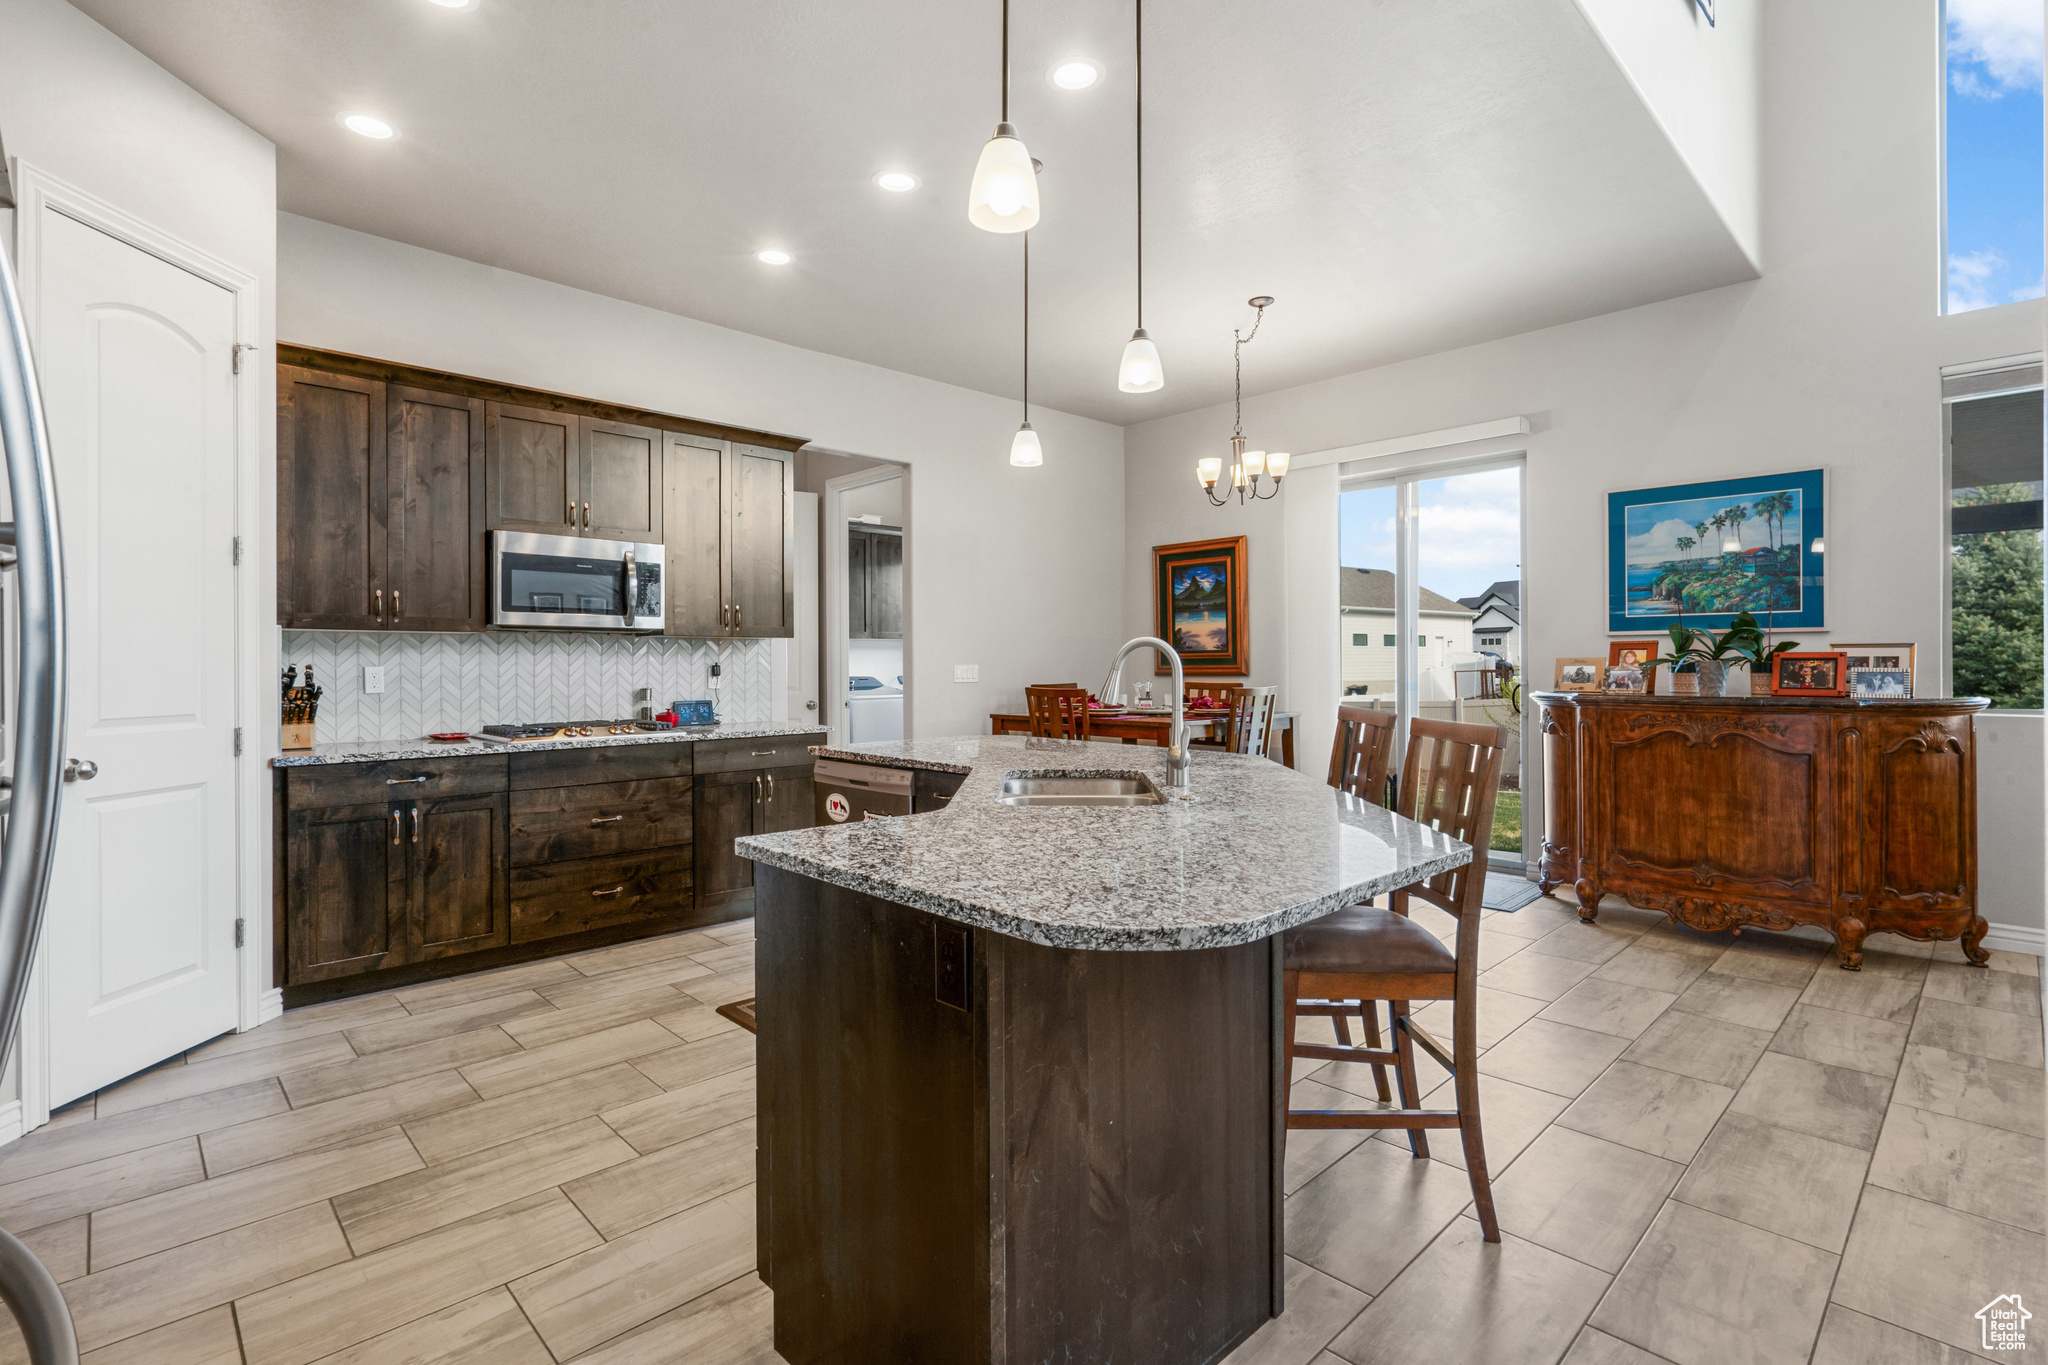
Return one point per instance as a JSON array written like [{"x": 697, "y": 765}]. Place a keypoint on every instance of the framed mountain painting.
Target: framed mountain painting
[
  {"x": 1198, "y": 596},
  {"x": 1707, "y": 551}
]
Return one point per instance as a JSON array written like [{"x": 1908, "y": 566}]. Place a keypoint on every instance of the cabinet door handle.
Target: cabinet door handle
[
  {"x": 408, "y": 781},
  {"x": 607, "y": 819},
  {"x": 379, "y": 598},
  {"x": 757, "y": 789},
  {"x": 762, "y": 753},
  {"x": 600, "y": 895},
  {"x": 415, "y": 824},
  {"x": 738, "y": 616},
  {"x": 572, "y": 514},
  {"x": 586, "y": 516},
  {"x": 771, "y": 785},
  {"x": 394, "y": 604},
  {"x": 397, "y": 817}
]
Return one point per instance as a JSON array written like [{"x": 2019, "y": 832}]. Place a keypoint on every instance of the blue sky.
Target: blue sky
[
  {"x": 1994, "y": 152},
  {"x": 1471, "y": 531}
]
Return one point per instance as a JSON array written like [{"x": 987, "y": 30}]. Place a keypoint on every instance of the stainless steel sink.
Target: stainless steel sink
[{"x": 1099, "y": 789}]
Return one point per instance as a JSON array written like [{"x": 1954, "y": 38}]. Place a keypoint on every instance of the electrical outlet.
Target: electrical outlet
[
  {"x": 373, "y": 679},
  {"x": 966, "y": 673}
]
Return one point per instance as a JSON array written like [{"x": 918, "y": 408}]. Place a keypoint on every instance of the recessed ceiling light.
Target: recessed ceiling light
[
  {"x": 368, "y": 125},
  {"x": 899, "y": 181},
  {"x": 772, "y": 257},
  {"x": 1076, "y": 73},
  {"x": 455, "y": 4}
]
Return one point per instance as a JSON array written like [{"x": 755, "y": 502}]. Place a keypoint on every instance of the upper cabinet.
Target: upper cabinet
[
  {"x": 389, "y": 478},
  {"x": 874, "y": 579},
  {"x": 732, "y": 539}
]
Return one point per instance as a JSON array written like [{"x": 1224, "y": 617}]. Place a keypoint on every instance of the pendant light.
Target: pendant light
[
  {"x": 1003, "y": 196},
  {"x": 1140, "y": 371},
  {"x": 1025, "y": 451},
  {"x": 1247, "y": 467}
]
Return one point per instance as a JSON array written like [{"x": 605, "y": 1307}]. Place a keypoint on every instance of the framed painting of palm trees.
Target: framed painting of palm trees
[
  {"x": 1709, "y": 551},
  {"x": 1199, "y": 598}
]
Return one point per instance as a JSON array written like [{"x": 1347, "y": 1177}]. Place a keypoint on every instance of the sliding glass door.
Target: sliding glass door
[{"x": 1430, "y": 608}]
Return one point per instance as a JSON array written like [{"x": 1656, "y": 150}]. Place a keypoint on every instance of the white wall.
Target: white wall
[
  {"x": 1832, "y": 358},
  {"x": 82, "y": 105},
  {"x": 1016, "y": 570},
  {"x": 1700, "y": 83}
]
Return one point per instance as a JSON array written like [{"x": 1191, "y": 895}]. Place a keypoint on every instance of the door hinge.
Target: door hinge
[
  {"x": 241, "y": 929},
  {"x": 238, "y": 549},
  {"x": 240, "y": 347},
  {"x": 238, "y": 741}
]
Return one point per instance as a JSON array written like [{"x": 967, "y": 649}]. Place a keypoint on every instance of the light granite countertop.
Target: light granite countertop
[
  {"x": 1253, "y": 850},
  {"x": 379, "y": 752}
]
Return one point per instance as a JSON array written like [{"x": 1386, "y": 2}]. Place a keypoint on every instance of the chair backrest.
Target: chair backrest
[
  {"x": 1251, "y": 719},
  {"x": 1219, "y": 691},
  {"x": 1449, "y": 780},
  {"x": 1058, "y": 712},
  {"x": 1363, "y": 753}
]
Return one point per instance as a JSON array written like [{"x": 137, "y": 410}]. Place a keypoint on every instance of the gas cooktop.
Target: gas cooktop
[{"x": 574, "y": 729}]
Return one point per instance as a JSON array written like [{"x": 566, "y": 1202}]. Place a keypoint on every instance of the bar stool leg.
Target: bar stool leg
[
  {"x": 1411, "y": 1098},
  {"x": 1369, "y": 1010},
  {"x": 1475, "y": 1147},
  {"x": 1290, "y": 991}
]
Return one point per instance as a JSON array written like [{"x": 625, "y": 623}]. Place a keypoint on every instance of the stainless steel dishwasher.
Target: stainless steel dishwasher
[{"x": 859, "y": 791}]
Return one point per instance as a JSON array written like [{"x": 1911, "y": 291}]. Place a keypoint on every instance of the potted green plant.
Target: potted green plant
[{"x": 1701, "y": 654}]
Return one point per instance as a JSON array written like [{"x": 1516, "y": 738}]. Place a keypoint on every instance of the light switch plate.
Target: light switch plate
[
  {"x": 373, "y": 679},
  {"x": 966, "y": 673}
]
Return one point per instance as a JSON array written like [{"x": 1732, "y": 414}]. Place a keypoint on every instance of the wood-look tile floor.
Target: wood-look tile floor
[{"x": 1705, "y": 1149}]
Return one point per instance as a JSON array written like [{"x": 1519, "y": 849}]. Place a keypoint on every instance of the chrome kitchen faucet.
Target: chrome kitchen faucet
[{"x": 1177, "y": 737}]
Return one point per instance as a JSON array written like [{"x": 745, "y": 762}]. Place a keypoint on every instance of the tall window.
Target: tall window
[
  {"x": 1995, "y": 552},
  {"x": 1992, "y": 153}
]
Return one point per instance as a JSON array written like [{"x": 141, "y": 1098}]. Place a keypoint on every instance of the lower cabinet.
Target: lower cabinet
[
  {"x": 451, "y": 864},
  {"x": 734, "y": 805},
  {"x": 374, "y": 886}
]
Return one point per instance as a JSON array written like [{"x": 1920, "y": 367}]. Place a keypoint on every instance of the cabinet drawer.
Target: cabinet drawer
[
  {"x": 620, "y": 763},
  {"x": 557, "y": 823},
  {"x": 567, "y": 898},
  {"x": 772, "y": 751},
  {"x": 354, "y": 784}
]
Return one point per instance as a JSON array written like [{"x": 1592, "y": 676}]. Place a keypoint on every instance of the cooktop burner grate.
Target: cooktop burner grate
[{"x": 574, "y": 729}]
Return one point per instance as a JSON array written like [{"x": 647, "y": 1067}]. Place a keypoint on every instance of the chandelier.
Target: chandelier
[{"x": 1246, "y": 466}]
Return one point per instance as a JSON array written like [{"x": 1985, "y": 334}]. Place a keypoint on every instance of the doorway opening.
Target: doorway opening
[
  {"x": 864, "y": 558},
  {"x": 1430, "y": 609}
]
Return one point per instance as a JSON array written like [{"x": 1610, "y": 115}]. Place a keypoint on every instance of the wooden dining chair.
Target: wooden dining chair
[
  {"x": 1222, "y": 692},
  {"x": 1449, "y": 779},
  {"x": 1363, "y": 752},
  {"x": 1058, "y": 712},
  {"x": 1251, "y": 719}
]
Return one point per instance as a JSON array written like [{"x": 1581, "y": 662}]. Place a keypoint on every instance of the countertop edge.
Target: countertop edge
[
  {"x": 875, "y": 760},
  {"x": 402, "y": 750}
]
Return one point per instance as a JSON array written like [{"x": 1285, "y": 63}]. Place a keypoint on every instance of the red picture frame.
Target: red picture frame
[{"x": 1816, "y": 673}]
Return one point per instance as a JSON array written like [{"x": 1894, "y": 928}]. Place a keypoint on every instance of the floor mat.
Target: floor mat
[
  {"x": 1506, "y": 891},
  {"x": 741, "y": 1012}
]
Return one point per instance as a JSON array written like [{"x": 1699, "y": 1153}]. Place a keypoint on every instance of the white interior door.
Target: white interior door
[
  {"x": 139, "y": 952},
  {"x": 803, "y": 649}
]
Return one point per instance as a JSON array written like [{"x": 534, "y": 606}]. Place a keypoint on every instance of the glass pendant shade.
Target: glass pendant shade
[
  {"x": 1025, "y": 451},
  {"x": 1254, "y": 463},
  {"x": 1004, "y": 194},
  {"x": 1820, "y": 545},
  {"x": 1208, "y": 470},
  {"x": 1276, "y": 464},
  {"x": 1140, "y": 371}
]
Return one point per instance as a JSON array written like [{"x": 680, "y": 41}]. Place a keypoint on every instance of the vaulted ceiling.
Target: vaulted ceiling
[{"x": 1402, "y": 176}]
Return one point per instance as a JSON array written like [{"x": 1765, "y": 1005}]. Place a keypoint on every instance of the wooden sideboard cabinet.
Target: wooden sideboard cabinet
[{"x": 1724, "y": 812}]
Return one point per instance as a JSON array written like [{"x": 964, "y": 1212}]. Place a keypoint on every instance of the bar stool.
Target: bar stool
[
  {"x": 1058, "y": 712},
  {"x": 1366, "y": 955}
]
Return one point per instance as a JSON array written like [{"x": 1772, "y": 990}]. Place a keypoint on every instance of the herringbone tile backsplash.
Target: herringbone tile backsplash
[{"x": 459, "y": 682}]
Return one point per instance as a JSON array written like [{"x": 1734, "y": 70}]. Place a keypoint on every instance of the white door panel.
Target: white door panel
[{"x": 137, "y": 363}]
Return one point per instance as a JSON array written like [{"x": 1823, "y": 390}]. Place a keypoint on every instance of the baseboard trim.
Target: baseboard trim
[
  {"x": 2018, "y": 938},
  {"x": 10, "y": 1121},
  {"x": 269, "y": 1005}
]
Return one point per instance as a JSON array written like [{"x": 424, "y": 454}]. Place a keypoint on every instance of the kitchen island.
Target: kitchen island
[{"x": 1020, "y": 1070}]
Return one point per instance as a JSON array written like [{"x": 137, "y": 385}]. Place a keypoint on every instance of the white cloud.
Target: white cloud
[
  {"x": 1660, "y": 541},
  {"x": 1994, "y": 46},
  {"x": 1970, "y": 281}
]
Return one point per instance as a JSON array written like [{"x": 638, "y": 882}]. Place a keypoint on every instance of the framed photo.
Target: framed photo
[
  {"x": 1892, "y": 656},
  {"x": 1626, "y": 680},
  {"x": 1711, "y": 550},
  {"x": 1816, "y": 674},
  {"x": 1636, "y": 654},
  {"x": 1893, "y": 684},
  {"x": 1199, "y": 600},
  {"x": 1580, "y": 675}
]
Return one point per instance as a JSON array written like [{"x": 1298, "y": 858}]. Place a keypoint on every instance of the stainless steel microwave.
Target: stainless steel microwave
[{"x": 574, "y": 583}]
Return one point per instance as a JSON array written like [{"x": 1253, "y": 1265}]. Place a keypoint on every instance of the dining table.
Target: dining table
[{"x": 1133, "y": 725}]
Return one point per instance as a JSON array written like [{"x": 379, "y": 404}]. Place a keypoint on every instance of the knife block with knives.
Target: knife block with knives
[{"x": 300, "y": 709}]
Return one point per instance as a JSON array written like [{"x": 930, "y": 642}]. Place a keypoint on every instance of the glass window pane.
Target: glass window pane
[
  {"x": 1365, "y": 550},
  {"x": 1993, "y": 153},
  {"x": 1995, "y": 565}
]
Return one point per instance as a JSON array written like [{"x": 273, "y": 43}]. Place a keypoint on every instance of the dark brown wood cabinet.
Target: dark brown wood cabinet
[
  {"x": 393, "y": 871},
  {"x": 874, "y": 580},
  {"x": 380, "y": 502},
  {"x": 1859, "y": 817},
  {"x": 762, "y": 542},
  {"x": 622, "y": 482},
  {"x": 535, "y": 465},
  {"x": 694, "y": 509},
  {"x": 730, "y": 508}
]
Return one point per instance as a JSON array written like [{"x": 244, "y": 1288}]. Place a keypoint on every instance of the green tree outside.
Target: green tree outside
[{"x": 1996, "y": 606}]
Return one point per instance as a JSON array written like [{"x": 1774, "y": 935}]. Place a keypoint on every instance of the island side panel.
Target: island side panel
[
  {"x": 872, "y": 1130},
  {"x": 1138, "y": 1108}
]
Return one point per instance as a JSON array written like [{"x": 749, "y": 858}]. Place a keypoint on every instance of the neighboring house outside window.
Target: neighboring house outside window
[{"x": 1366, "y": 598}]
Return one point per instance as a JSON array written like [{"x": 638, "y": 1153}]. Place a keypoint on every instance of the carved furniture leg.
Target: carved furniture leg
[
  {"x": 1849, "y": 934},
  {"x": 1973, "y": 942},
  {"x": 1589, "y": 900}
]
